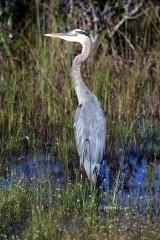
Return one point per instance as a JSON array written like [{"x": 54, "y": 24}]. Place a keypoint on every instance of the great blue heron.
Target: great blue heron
[{"x": 89, "y": 124}]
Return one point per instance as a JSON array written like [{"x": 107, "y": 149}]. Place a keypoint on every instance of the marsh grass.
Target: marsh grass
[
  {"x": 69, "y": 214},
  {"x": 37, "y": 96},
  {"x": 37, "y": 100}
]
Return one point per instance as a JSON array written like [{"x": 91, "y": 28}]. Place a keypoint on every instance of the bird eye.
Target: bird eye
[{"x": 74, "y": 34}]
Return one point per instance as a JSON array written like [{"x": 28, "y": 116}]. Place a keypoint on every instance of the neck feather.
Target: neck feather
[{"x": 79, "y": 85}]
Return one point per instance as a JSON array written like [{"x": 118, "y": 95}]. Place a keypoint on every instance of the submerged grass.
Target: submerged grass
[{"x": 37, "y": 100}]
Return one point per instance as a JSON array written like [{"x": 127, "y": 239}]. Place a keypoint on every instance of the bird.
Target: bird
[{"x": 90, "y": 123}]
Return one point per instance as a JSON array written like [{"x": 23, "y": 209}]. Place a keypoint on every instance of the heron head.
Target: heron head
[{"x": 76, "y": 35}]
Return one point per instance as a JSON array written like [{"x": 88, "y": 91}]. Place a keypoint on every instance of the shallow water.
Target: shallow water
[
  {"x": 32, "y": 168},
  {"x": 126, "y": 195},
  {"x": 135, "y": 184}
]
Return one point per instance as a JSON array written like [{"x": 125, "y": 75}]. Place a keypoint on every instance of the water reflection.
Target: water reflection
[
  {"x": 157, "y": 180},
  {"x": 132, "y": 179},
  {"x": 132, "y": 184},
  {"x": 135, "y": 184},
  {"x": 33, "y": 168}
]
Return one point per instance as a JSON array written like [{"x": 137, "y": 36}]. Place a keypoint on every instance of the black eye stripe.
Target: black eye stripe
[{"x": 83, "y": 32}]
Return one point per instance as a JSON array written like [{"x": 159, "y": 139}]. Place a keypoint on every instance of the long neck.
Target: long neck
[{"x": 80, "y": 87}]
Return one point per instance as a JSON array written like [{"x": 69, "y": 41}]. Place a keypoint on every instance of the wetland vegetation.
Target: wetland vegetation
[{"x": 40, "y": 191}]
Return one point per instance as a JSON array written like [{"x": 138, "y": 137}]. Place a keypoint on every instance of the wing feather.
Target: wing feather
[{"x": 90, "y": 133}]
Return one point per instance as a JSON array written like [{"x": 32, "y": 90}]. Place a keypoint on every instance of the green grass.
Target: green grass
[
  {"x": 37, "y": 100},
  {"x": 68, "y": 214},
  {"x": 37, "y": 97}
]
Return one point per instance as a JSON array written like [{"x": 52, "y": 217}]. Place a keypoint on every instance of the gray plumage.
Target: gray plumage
[
  {"x": 90, "y": 135},
  {"x": 90, "y": 124}
]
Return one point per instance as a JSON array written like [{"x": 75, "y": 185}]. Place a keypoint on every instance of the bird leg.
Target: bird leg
[{"x": 82, "y": 172}]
